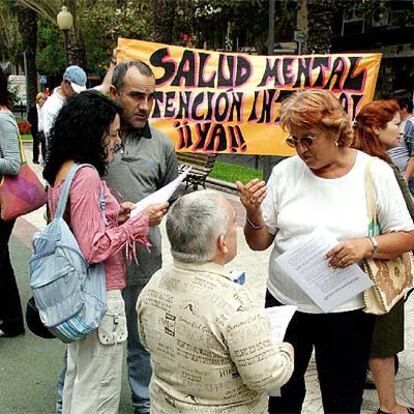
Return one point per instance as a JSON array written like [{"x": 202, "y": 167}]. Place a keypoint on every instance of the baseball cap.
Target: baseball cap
[{"x": 76, "y": 77}]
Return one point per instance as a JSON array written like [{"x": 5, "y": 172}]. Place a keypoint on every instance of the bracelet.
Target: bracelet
[
  {"x": 374, "y": 246},
  {"x": 254, "y": 226}
]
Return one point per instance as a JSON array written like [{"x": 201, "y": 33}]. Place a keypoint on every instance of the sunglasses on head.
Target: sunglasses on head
[{"x": 294, "y": 142}]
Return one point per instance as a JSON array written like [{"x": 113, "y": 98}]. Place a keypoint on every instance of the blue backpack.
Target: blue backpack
[{"x": 69, "y": 294}]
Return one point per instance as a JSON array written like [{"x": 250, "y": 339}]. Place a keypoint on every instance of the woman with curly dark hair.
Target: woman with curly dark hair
[
  {"x": 11, "y": 316},
  {"x": 377, "y": 129},
  {"x": 86, "y": 130}
]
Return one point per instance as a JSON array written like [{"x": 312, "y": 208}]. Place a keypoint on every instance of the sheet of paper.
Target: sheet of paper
[
  {"x": 327, "y": 287},
  {"x": 162, "y": 195},
  {"x": 279, "y": 317}
]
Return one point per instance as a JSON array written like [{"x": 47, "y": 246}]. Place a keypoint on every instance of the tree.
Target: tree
[
  {"x": 49, "y": 10},
  {"x": 27, "y": 20},
  {"x": 112, "y": 19},
  {"x": 51, "y": 59},
  {"x": 163, "y": 20},
  {"x": 233, "y": 23},
  {"x": 320, "y": 16},
  {"x": 10, "y": 38}
]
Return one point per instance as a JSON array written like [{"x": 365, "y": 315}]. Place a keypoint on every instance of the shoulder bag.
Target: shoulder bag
[
  {"x": 393, "y": 278},
  {"x": 22, "y": 193}
]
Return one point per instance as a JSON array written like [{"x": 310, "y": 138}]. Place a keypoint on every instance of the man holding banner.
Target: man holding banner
[{"x": 146, "y": 163}]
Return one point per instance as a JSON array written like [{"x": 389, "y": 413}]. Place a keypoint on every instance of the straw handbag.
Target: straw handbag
[{"x": 392, "y": 278}]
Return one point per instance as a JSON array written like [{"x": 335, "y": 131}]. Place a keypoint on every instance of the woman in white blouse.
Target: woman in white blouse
[{"x": 324, "y": 186}]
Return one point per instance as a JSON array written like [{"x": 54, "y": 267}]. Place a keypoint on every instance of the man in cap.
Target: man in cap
[{"x": 74, "y": 81}]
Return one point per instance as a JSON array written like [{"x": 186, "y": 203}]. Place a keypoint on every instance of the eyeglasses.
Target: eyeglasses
[{"x": 294, "y": 142}]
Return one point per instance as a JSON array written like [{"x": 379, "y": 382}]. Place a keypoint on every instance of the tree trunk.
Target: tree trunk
[
  {"x": 27, "y": 19},
  {"x": 320, "y": 15},
  {"x": 76, "y": 47},
  {"x": 76, "y": 50}
]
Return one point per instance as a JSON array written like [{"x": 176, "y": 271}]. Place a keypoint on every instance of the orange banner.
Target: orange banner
[{"x": 229, "y": 102}]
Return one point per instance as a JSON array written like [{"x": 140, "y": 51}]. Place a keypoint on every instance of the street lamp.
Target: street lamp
[{"x": 65, "y": 23}]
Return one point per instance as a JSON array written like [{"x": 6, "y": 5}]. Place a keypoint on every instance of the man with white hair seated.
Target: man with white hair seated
[{"x": 210, "y": 344}]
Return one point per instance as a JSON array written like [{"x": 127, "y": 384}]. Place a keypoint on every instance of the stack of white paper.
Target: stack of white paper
[
  {"x": 162, "y": 195},
  {"x": 327, "y": 287},
  {"x": 280, "y": 317}
]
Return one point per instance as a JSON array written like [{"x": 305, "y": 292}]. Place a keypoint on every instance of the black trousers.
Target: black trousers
[
  {"x": 342, "y": 343},
  {"x": 11, "y": 317},
  {"x": 39, "y": 138}
]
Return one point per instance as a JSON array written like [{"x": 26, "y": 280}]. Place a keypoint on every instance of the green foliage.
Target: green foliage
[
  {"x": 109, "y": 20},
  {"x": 10, "y": 39},
  {"x": 51, "y": 54},
  {"x": 247, "y": 21},
  {"x": 99, "y": 23},
  {"x": 14, "y": 93},
  {"x": 232, "y": 172}
]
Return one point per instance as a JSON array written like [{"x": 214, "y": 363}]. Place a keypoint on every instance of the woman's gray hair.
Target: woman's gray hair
[{"x": 194, "y": 223}]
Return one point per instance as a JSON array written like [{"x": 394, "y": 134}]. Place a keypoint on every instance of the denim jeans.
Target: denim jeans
[{"x": 138, "y": 360}]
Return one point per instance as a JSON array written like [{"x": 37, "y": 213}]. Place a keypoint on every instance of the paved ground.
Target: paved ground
[{"x": 30, "y": 365}]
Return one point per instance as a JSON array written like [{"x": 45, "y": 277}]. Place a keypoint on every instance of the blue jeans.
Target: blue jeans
[{"x": 138, "y": 360}]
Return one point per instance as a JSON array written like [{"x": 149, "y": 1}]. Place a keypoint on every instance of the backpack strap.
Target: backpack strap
[{"x": 63, "y": 199}]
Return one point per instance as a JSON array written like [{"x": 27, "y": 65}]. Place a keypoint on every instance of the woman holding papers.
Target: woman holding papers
[
  {"x": 86, "y": 130},
  {"x": 377, "y": 129},
  {"x": 323, "y": 186}
]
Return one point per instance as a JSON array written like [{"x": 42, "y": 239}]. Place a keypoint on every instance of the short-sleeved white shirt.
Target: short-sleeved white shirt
[
  {"x": 50, "y": 110},
  {"x": 298, "y": 202}
]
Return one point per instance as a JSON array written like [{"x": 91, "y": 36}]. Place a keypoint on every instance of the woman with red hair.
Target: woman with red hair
[
  {"x": 323, "y": 186},
  {"x": 376, "y": 130}
]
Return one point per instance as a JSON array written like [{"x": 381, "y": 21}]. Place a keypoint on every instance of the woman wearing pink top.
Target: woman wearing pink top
[{"x": 87, "y": 131}]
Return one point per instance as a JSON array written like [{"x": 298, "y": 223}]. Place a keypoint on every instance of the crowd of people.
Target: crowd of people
[{"x": 197, "y": 341}]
